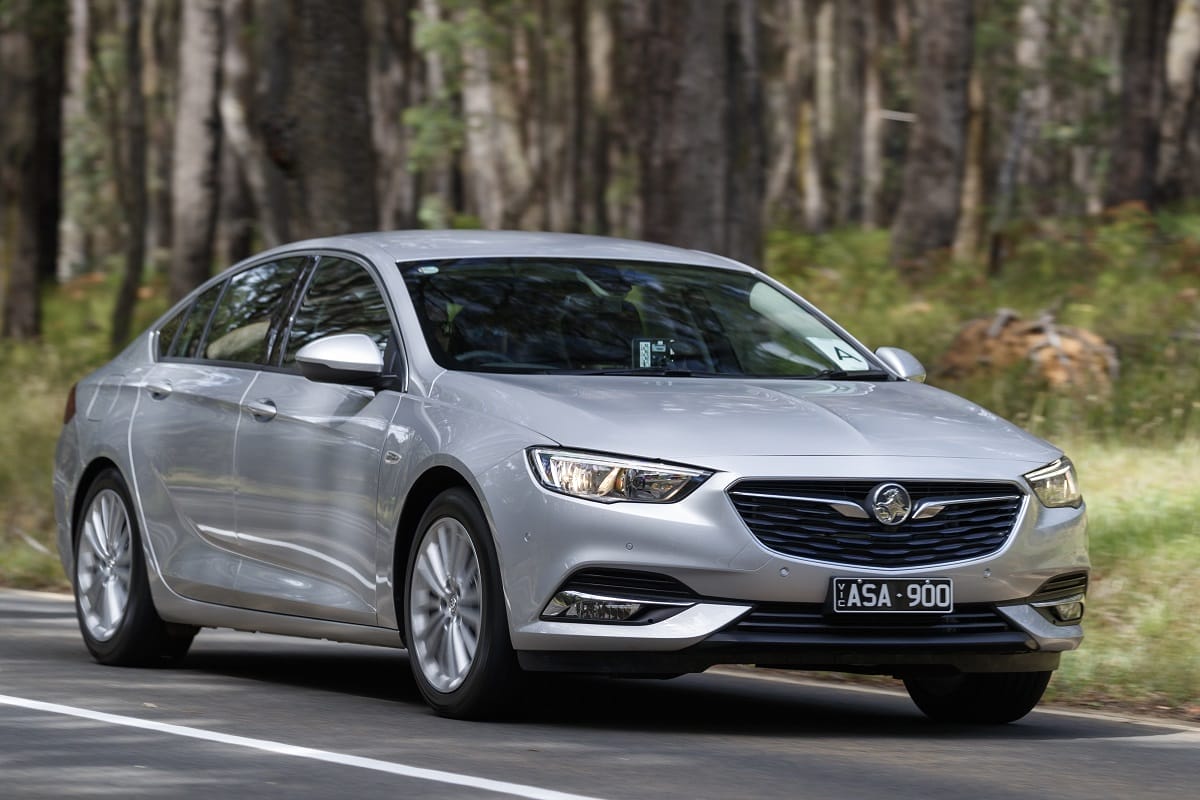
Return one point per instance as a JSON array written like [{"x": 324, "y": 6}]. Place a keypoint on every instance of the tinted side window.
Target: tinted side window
[
  {"x": 187, "y": 343},
  {"x": 247, "y": 317},
  {"x": 341, "y": 298},
  {"x": 168, "y": 330}
]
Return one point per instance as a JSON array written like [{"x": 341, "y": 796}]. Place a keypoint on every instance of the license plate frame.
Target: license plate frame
[{"x": 903, "y": 595}]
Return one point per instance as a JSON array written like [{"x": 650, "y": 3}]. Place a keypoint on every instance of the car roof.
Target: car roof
[{"x": 421, "y": 245}]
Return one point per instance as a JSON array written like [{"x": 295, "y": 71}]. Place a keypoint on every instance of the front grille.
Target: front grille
[
  {"x": 789, "y": 517},
  {"x": 810, "y": 620},
  {"x": 631, "y": 584}
]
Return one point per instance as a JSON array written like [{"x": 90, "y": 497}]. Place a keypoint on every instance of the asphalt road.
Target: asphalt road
[{"x": 266, "y": 717}]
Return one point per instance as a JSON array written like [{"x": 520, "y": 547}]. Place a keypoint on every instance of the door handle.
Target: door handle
[
  {"x": 263, "y": 410},
  {"x": 159, "y": 391}
]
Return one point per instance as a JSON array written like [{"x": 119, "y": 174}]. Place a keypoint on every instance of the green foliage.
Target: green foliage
[
  {"x": 1143, "y": 614},
  {"x": 1132, "y": 279},
  {"x": 437, "y": 127},
  {"x": 40, "y": 374}
]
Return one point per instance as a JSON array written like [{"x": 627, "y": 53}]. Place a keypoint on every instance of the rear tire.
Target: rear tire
[
  {"x": 116, "y": 614},
  {"x": 978, "y": 697},
  {"x": 455, "y": 623}
]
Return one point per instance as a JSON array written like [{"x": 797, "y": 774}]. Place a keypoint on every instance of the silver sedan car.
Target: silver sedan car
[{"x": 514, "y": 453}]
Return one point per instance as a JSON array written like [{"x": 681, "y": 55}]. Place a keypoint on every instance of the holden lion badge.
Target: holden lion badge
[{"x": 889, "y": 503}]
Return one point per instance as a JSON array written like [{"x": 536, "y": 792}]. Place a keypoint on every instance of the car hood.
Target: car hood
[{"x": 692, "y": 419}]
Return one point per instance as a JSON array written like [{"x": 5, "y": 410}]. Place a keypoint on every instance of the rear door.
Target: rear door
[
  {"x": 184, "y": 429},
  {"x": 308, "y": 460}
]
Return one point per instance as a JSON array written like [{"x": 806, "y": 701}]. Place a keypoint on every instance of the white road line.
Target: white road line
[
  {"x": 1184, "y": 739},
  {"x": 280, "y": 748}
]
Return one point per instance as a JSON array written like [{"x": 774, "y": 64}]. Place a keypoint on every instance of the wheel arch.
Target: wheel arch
[
  {"x": 93, "y": 470},
  {"x": 428, "y": 486}
]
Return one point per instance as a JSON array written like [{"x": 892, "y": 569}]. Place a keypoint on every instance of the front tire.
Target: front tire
[
  {"x": 116, "y": 614},
  {"x": 978, "y": 697},
  {"x": 455, "y": 623}
]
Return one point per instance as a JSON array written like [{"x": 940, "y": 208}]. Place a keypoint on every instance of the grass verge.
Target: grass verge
[{"x": 1143, "y": 613}]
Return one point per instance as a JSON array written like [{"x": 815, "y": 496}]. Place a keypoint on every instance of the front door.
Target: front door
[{"x": 308, "y": 460}]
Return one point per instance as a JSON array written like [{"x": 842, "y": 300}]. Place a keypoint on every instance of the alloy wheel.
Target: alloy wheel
[
  {"x": 446, "y": 604},
  {"x": 104, "y": 565}
]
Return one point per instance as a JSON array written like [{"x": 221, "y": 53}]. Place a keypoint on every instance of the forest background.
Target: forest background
[{"x": 1008, "y": 188}]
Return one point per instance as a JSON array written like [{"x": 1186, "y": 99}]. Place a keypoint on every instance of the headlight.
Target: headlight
[
  {"x": 1055, "y": 484},
  {"x": 612, "y": 480}
]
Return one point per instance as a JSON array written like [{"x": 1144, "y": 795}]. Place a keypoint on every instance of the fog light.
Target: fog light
[
  {"x": 1064, "y": 610},
  {"x": 592, "y": 607},
  {"x": 576, "y": 606}
]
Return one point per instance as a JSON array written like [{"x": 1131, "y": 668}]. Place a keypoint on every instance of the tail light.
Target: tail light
[{"x": 69, "y": 410}]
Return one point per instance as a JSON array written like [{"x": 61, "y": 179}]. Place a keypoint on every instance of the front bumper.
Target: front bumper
[
  {"x": 973, "y": 638},
  {"x": 544, "y": 538}
]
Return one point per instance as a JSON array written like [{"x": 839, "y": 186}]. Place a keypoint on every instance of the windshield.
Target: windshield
[{"x": 612, "y": 317}]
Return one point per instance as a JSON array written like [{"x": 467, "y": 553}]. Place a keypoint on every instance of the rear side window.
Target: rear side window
[
  {"x": 187, "y": 342},
  {"x": 248, "y": 316},
  {"x": 341, "y": 298},
  {"x": 169, "y": 329}
]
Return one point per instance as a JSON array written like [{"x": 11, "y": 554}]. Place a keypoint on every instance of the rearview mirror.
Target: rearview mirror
[
  {"x": 902, "y": 363},
  {"x": 351, "y": 358}
]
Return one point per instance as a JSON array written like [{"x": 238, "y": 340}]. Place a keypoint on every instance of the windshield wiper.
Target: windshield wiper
[
  {"x": 849, "y": 375},
  {"x": 659, "y": 372}
]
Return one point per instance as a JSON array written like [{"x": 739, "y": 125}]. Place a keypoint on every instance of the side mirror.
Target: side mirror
[
  {"x": 351, "y": 358},
  {"x": 902, "y": 363}
]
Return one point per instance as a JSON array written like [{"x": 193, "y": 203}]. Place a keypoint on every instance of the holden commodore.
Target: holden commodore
[{"x": 513, "y": 453}]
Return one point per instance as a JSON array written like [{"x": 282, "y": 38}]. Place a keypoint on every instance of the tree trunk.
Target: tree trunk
[
  {"x": 437, "y": 201},
  {"x": 335, "y": 159},
  {"x": 850, "y": 32},
  {"x": 1033, "y": 39},
  {"x": 928, "y": 213},
  {"x": 235, "y": 210},
  {"x": 197, "y": 149},
  {"x": 601, "y": 145},
  {"x": 1182, "y": 71},
  {"x": 31, "y": 57},
  {"x": 746, "y": 138},
  {"x": 49, "y": 35},
  {"x": 872, "y": 126},
  {"x": 694, "y": 139},
  {"x": 133, "y": 181},
  {"x": 73, "y": 256},
  {"x": 579, "y": 175},
  {"x": 1134, "y": 164},
  {"x": 500, "y": 179},
  {"x": 242, "y": 180},
  {"x": 970, "y": 214},
  {"x": 1030, "y": 113},
  {"x": 393, "y": 77},
  {"x": 1092, "y": 44},
  {"x": 785, "y": 97},
  {"x": 245, "y": 196},
  {"x": 271, "y": 128},
  {"x": 162, "y": 74}
]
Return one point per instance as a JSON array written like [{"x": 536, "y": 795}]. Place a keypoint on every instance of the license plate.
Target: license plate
[{"x": 883, "y": 595}]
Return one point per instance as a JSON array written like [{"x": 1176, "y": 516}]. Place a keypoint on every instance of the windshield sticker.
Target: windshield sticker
[
  {"x": 650, "y": 353},
  {"x": 840, "y": 353}
]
